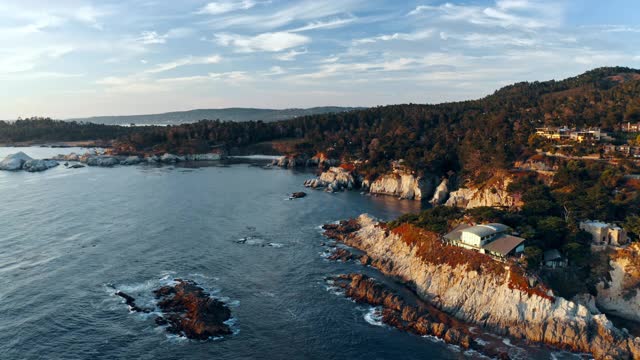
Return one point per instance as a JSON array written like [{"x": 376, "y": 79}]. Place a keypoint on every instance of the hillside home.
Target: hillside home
[
  {"x": 553, "y": 259},
  {"x": 605, "y": 234},
  {"x": 493, "y": 239},
  {"x": 565, "y": 133}
]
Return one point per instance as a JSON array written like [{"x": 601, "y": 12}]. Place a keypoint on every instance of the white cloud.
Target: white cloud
[
  {"x": 290, "y": 55},
  {"x": 330, "y": 24},
  {"x": 275, "y": 70},
  {"x": 305, "y": 10},
  {"x": 222, "y": 7},
  {"x": 190, "y": 60},
  {"x": 268, "y": 42},
  {"x": 26, "y": 59},
  {"x": 415, "y": 36},
  {"x": 524, "y": 14},
  {"x": 151, "y": 37}
]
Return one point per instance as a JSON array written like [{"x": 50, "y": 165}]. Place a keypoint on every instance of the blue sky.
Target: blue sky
[{"x": 73, "y": 58}]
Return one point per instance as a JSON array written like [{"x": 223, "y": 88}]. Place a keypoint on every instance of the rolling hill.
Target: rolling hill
[{"x": 228, "y": 114}]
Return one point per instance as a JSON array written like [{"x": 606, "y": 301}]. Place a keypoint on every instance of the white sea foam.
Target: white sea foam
[{"x": 374, "y": 316}]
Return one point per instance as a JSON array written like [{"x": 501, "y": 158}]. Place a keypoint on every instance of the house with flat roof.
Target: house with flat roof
[
  {"x": 605, "y": 234},
  {"x": 553, "y": 259},
  {"x": 493, "y": 239}
]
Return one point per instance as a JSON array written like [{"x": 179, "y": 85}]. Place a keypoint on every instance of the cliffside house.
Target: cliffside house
[
  {"x": 493, "y": 239},
  {"x": 605, "y": 234},
  {"x": 553, "y": 259},
  {"x": 565, "y": 133}
]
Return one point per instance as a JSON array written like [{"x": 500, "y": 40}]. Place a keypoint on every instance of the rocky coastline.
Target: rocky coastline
[
  {"x": 21, "y": 161},
  {"x": 483, "y": 292}
]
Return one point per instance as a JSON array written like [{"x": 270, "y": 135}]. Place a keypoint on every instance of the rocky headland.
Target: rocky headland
[{"x": 473, "y": 288}]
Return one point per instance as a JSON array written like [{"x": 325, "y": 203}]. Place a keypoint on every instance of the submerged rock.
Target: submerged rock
[
  {"x": 298, "y": 195},
  {"x": 14, "y": 162},
  {"x": 190, "y": 311}
]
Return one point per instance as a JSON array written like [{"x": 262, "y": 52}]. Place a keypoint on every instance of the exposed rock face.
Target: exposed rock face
[
  {"x": 478, "y": 296},
  {"x": 494, "y": 194},
  {"x": 289, "y": 162},
  {"x": 621, "y": 295},
  {"x": 131, "y": 160},
  {"x": 170, "y": 158},
  {"x": 190, "y": 311},
  {"x": 441, "y": 193},
  {"x": 298, "y": 195},
  {"x": 416, "y": 318},
  {"x": 187, "y": 310},
  {"x": 39, "y": 165},
  {"x": 203, "y": 157},
  {"x": 14, "y": 162},
  {"x": 403, "y": 185},
  {"x": 102, "y": 161},
  {"x": 334, "y": 179}
]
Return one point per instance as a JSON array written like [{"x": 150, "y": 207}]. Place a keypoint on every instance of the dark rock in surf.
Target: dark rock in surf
[
  {"x": 298, "y": 195},
  {"x": 191, "y": 312}
]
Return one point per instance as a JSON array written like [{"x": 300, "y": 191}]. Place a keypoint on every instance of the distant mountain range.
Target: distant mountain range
[{"x": 228, "y": 114}]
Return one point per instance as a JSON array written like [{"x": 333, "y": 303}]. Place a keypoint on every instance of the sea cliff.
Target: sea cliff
[
  {"x": 494, "y": 193},
  {"x": 619, "y": 295},
  {"x": 478, "y": 290}
]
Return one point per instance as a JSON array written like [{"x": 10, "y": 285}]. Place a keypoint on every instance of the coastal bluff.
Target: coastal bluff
[{"x": 475, "y": 289}]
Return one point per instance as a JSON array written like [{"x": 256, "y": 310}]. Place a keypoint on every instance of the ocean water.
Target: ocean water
[{"x": 69, "y": 237}]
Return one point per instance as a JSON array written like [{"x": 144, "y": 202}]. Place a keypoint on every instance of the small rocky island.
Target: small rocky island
[{"x": 187, "y": 310}]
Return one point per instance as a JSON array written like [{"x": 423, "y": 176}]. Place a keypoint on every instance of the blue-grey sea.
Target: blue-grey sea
[{"x": 68, "y": 237}]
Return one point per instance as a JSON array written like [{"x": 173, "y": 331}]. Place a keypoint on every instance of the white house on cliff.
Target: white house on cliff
[{"x": 493, "y": 239}]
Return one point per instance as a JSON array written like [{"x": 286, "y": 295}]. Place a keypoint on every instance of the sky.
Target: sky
[{"x": 77, "y": 58}]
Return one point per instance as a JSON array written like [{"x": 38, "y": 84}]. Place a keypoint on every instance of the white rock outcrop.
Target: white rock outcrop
[
  {"x": 487, "y": 300},
  {"x": 621, "y": 295},
  {"x": 441, "y": 193},
  {"x": 334, "y": 179},
  {"x": 131, "y": 160},
  {"x": 14, "y": 162},
  {"x": 403, "y": 185},
  {"x": 493, "y": 195}
]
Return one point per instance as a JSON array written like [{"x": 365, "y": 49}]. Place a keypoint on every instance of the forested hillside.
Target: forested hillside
[{"x": 471, "y": 136}]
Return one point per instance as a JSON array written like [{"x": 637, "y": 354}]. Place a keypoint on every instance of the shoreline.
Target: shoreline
[{"x": 484, "y": 297}]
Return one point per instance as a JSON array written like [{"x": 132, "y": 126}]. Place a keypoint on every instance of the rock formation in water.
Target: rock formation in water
[
  {"x": 621, "y": 294},
  {"x": 39, "y": 165},
  {"x": 476, "y": 289},
  {"x": 335, "y": 179},
  {"x": 298, "y": 195},
  {"x": 187, "y": 310},
  {"x": 14, "y": 162},
  {"x": 22, "y": 161},
  {"x": 493, "y": 193}
]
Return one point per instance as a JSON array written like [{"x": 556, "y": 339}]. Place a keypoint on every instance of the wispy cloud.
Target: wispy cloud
[
  {"x": 329, "y": 24},
  {"x": 190, "y": 60},
  {"x": 295, "y": 11},
  {"x": 290, "y": 55},
  {"x": 525, "y": 14},
  {"x": 415, "y": 36},
  {"x": 222, "y": 7},
  {"x": 268, "y": 42}
]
